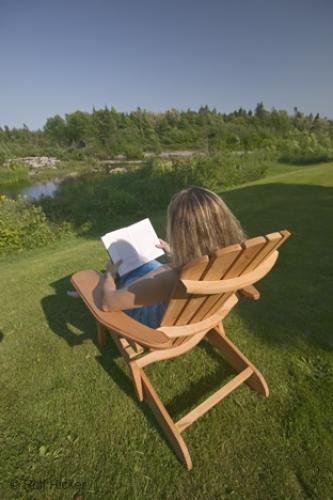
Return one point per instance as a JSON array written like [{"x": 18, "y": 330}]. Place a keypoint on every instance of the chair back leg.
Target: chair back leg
[{"x": 235, "y": 358}]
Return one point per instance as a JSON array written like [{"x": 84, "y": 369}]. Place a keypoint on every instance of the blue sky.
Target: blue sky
[{"x": 59, "y": 56}]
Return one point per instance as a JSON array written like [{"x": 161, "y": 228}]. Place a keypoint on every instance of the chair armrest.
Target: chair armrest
[
  {"x": 250, "y": 292},
  {"x": 88, "y": 285}
]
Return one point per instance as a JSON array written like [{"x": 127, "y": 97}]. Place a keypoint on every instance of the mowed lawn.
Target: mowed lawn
[{"x": 70, "y": 425}]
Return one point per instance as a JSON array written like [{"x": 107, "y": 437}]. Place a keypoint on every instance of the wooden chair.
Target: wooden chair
[{"x": 206, "y": 291}]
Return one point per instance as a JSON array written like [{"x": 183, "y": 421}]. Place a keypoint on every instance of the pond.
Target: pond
[{"x": 32, "y": 192}]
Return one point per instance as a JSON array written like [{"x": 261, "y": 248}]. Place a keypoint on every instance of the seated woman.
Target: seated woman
[{"x": 198, "y": 223}]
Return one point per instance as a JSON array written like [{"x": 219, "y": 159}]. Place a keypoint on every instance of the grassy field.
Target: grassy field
[{"x": 70, "y": 425}]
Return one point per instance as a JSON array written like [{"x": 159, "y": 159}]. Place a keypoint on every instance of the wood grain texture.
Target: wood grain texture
[
  {"x": 219, "y": 264},
  {"x": 215, "y": 398},
  {"x": 180, "y": 299},
  {"x": 167, "y": 424},
  {"x": 232, "y": 284}
]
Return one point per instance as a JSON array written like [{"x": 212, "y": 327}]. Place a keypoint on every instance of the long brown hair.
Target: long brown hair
[{"x": 198, "y": 223}]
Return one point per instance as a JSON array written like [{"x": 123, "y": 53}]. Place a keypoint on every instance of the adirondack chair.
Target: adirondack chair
[{"x": 206, "y": 291}]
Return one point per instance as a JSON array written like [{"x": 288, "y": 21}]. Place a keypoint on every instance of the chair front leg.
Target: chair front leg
[
  {"x": 101, "y": 334},
  {"x": 165, "y": 421}
]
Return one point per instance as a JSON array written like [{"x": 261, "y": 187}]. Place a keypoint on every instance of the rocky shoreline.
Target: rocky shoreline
[
  {"x": 36, "y": 162},
  {"x": 39, "y": 162}
]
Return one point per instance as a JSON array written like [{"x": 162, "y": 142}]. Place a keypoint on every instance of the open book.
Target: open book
[{"x": 134, "y": 245}]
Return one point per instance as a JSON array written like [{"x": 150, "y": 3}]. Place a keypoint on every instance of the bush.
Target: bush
[
  {"x": 212, "y": 172},
  {"x": 305, "y": 149},
  {"x": 24, "y": 225},
  {"x": 306, "y": 157},
  {"x": 239, "y": 167},
  {"x": 3, "y": 157},
  {"x": 154, "y": 184},
  {"x": 95, "y": 203},
  {"x": 133, "y": 152},
  {"x": 90, "y": 202},
  {"x": 99, "y": 197}
]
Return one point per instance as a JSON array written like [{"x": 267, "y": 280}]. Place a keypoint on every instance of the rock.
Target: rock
[
  {"x": 118, "y": 170},
  {"x": 37, "y": 162},
  {"x": 121, "y": 162},
  {"x": 180, "y": 154}
]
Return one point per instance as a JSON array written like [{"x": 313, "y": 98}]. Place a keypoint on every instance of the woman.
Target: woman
[{"x": 198, "y": 223}]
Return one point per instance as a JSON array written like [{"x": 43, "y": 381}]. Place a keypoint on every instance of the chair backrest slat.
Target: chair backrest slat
[
  {"x": 273, "y": 241},
  {"x": 227, "y": 263},
  {"x": 233, "y": 285},
  {"x": 220, "y": 263},
  {"x": 249, "y": 251},
  {"x": 256, "y": 250},
  {"x": 179, "y": 299}
]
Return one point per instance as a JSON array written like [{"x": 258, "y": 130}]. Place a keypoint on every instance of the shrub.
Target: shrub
[
  {"x": 3, "y": 157},
  {"x": 305, "y": 149},
  {"x": 133, "y": 152},
  {"x": 89, "y": 202},
  {"x": 237, "y": 168},
  {"x": 153, "y": 185},
  {"x": 24, "y": 225},
  {"x": 212, "y": 172},
  {"x": 306, "y": 156},
  {"x": 93, "y": 203}
]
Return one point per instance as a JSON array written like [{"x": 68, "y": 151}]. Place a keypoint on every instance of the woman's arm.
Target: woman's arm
[
  {"x": 152, "y": 288},
  {"x": 109, "y": 286}
]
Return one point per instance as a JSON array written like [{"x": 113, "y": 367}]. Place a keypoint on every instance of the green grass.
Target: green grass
[
  {"x": 68, "y": 409},
  {"x": 276, "y": 168},
  {"x": 13, "y": 175}
]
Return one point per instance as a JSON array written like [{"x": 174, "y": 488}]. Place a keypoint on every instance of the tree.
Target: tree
[
  {"x": 260, "y": 111},
  {"x": 56, "y": 129}
]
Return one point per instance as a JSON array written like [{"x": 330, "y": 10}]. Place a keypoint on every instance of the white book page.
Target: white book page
[
  {"x": 145, "y": 238},
  {"x": 120, "y": 246},
  {"x": 134, "y": 245}
]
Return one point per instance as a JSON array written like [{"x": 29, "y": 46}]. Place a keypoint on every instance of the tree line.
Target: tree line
[{"x": 106, "y": 133}]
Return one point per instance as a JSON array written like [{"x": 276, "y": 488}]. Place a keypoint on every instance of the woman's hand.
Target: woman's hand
[
  {"x": 112, "y": 269},
  {"x": 164, "y": 246},
  {"x": 109, "y": 286}
]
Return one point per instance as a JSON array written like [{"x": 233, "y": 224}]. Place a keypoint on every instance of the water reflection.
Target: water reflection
[{"x": 33, "y": 192}]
